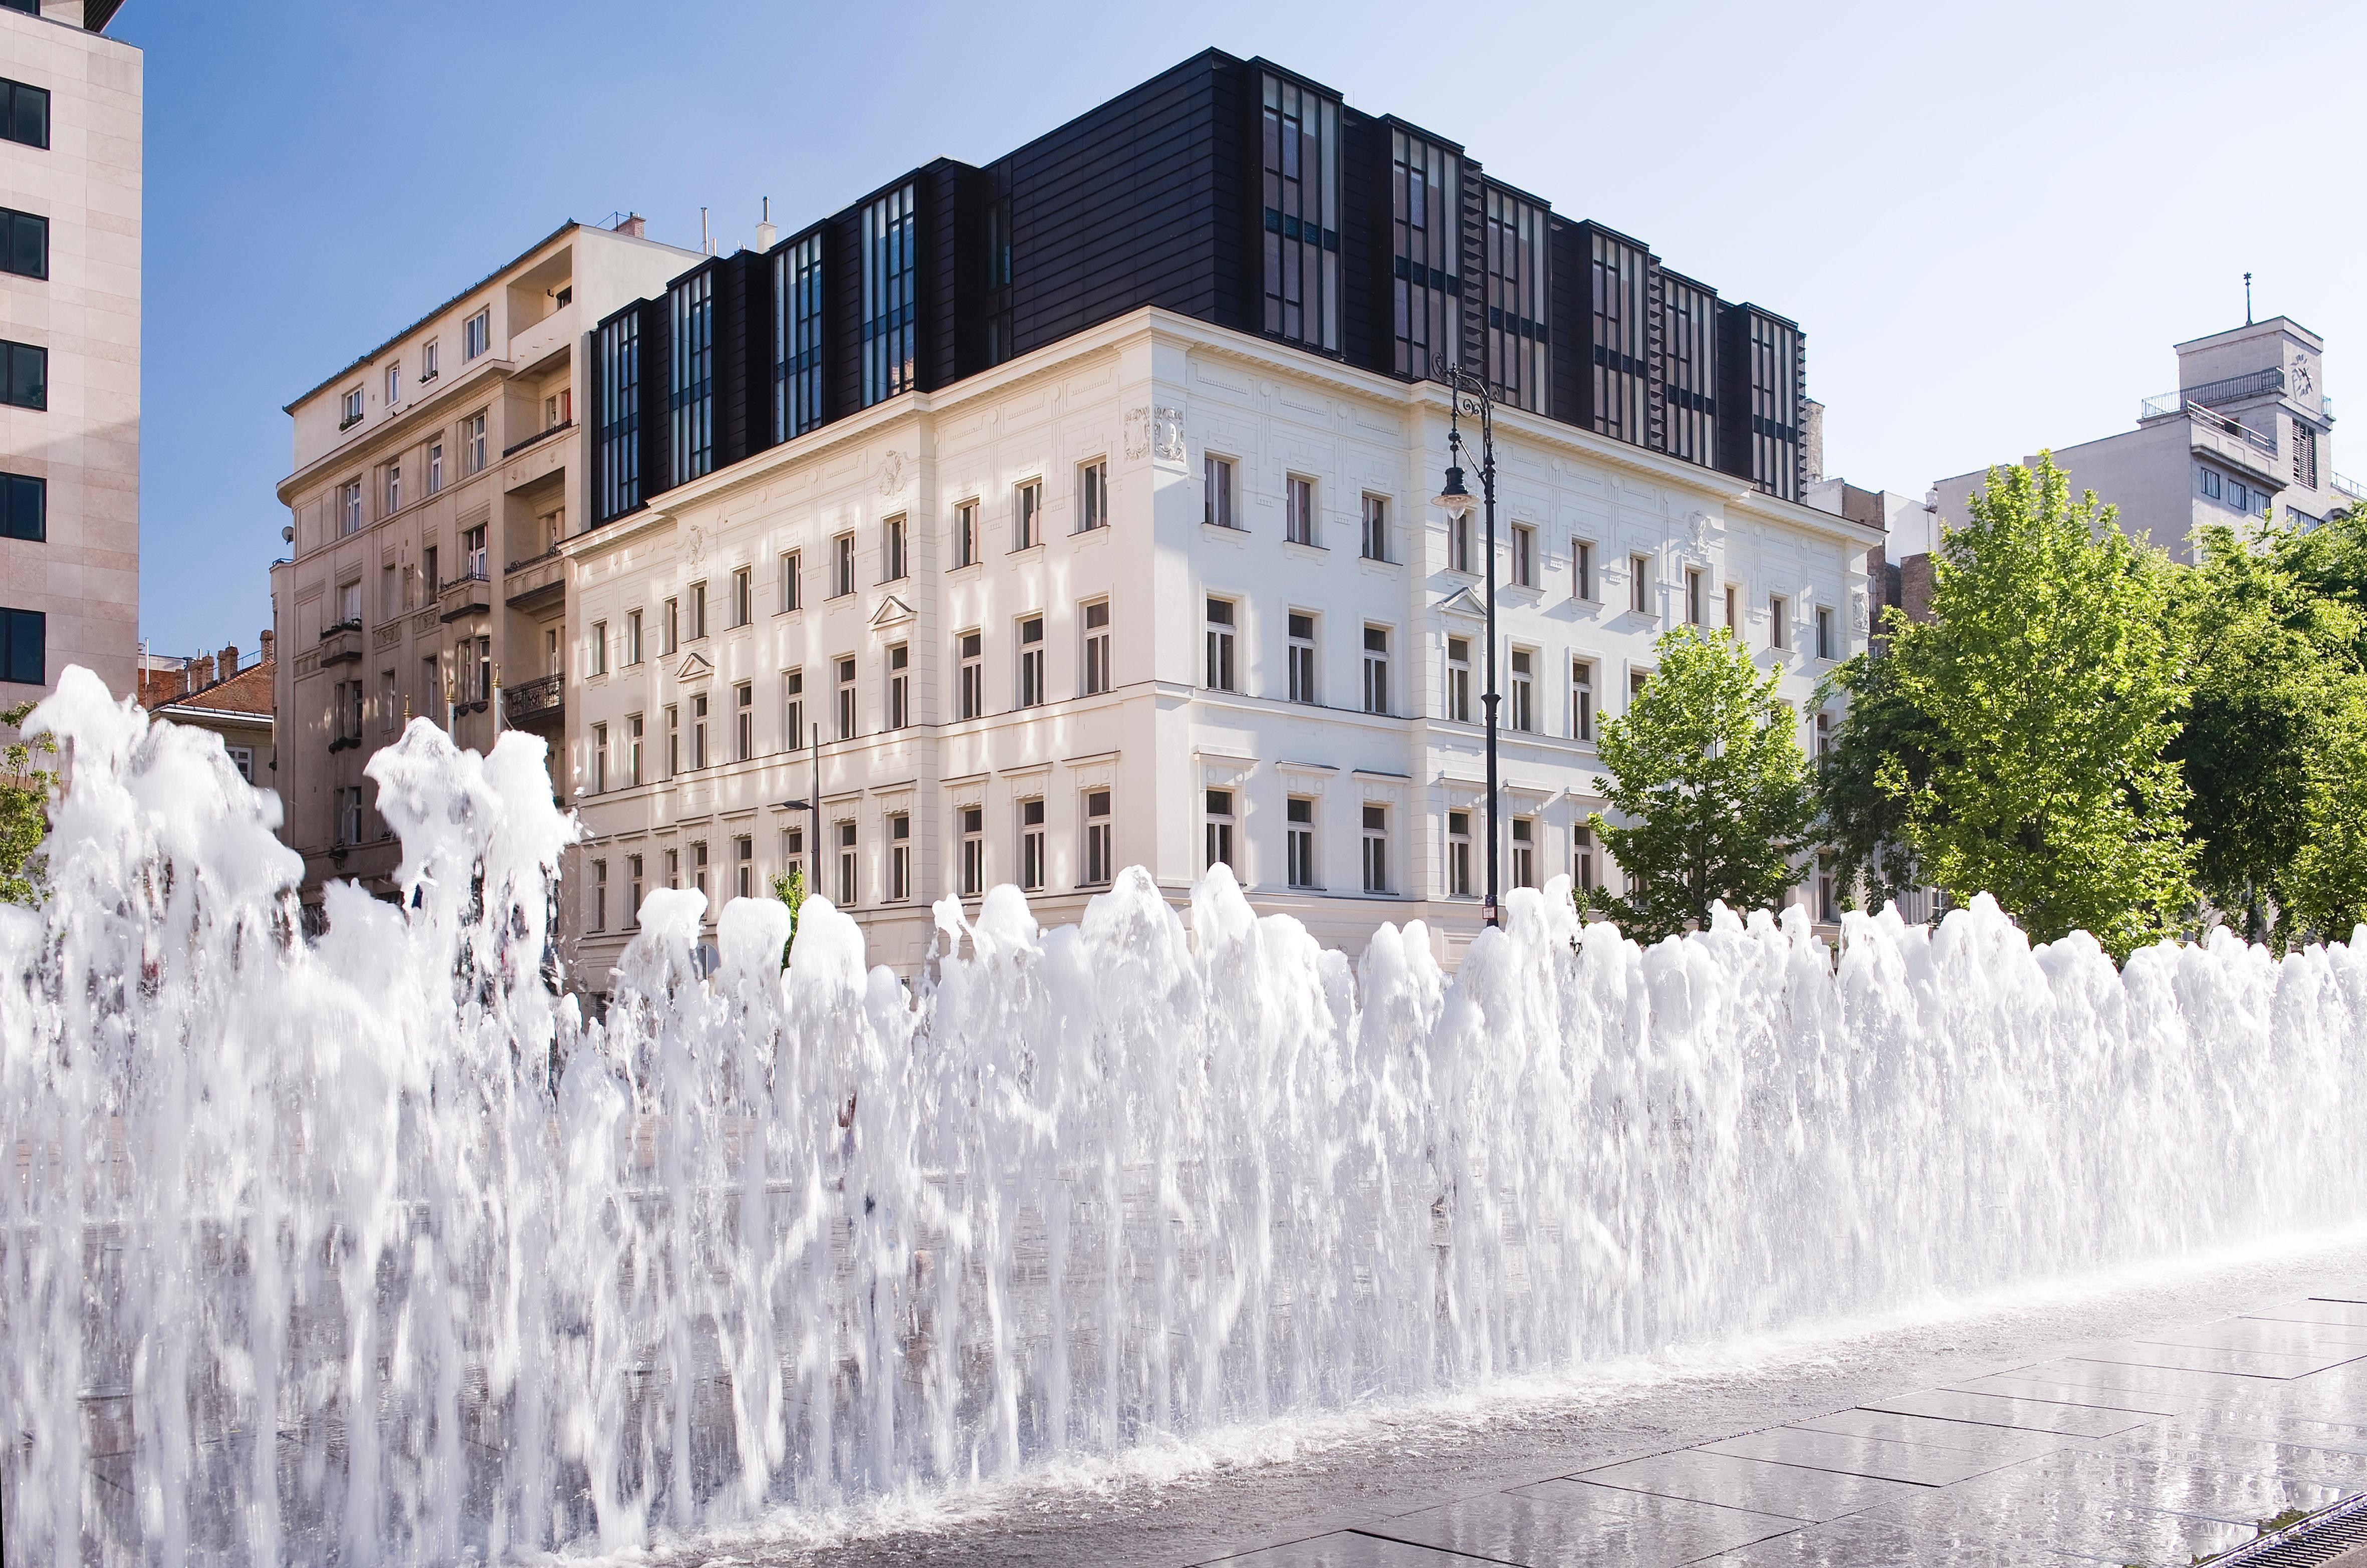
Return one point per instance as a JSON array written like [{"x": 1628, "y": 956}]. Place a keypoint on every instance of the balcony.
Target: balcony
[
  {"x": 341, "y": 643},
  {"x": 538, "y": 702},
  {"x": 2350, "y": 490},
  {"x": 555, "y": 333},
  {"x": 2268, "y": 383},
  {"x": 545, "y": 434},
  {"x": 469, "y": 594},
  {"x": 536, "y": 582}
]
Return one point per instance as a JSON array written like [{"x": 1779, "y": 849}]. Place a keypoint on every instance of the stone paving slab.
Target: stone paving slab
[{"x": 2153, "y": 1451}]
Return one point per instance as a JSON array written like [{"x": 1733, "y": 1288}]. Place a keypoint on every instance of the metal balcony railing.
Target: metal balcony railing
[
  {"x": 542, "y": 435},
  {"x": 532, "y": 700},
  {"x": 2265, "y": 383},
  {"x": 2349, "y": 487}
]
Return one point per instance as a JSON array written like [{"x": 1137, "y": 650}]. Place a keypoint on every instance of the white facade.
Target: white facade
[
  {"x": 1152, "y": 396},
  {"x": 2250, "y": 428}
]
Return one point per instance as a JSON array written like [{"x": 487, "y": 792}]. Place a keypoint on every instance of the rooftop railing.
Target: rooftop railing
[{"x": 2265, "y": 383}]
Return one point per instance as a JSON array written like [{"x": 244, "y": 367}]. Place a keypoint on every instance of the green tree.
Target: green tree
[
  {"x": 1881, "y": 756},
  {"x": 1707, "y": 765},
  {"x": 2328, "y": 885},
  {"x": 2052, "y": 672},
  {"x": 2262, "y": 733},
  {"x": 25, "y": 791},
  {"x": 789, "y": 887}
]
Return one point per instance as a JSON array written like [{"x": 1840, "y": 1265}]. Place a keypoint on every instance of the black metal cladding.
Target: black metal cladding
[
  {"x": 1232, "y": 192},
  {"x": 1763, "y": 382}
]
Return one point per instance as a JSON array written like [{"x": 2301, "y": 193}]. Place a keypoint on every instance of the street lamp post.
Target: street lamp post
[{"x": 1467, "y": 393}]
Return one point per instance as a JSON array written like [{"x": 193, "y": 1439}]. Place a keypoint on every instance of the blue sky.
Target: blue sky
[{"x": 1991, "y": 221}]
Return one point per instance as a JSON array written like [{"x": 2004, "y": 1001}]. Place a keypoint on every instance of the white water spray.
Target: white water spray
[{"x": 374, "y": 1251}]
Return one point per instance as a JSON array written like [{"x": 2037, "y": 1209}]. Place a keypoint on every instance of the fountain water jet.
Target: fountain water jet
[{"x": 375, "y": 1249}]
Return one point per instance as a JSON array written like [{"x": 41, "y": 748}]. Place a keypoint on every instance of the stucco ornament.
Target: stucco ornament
[
  {"x": 1138, "y": 433},
  {"x": 1858, "y": 612},
  {"x": 1168, "y": 436},
  {"x": 1699, "y": 524},
  {"x": 694, "y": 544},
  {"x": 891, "y": 473}
]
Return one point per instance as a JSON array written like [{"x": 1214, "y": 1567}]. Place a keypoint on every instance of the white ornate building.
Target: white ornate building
[{"x": 1159, "y": 592}]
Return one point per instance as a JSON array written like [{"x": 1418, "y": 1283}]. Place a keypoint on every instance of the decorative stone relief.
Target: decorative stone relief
[
  {"x": 1168, "y": 434},
  {"x": 1858, "y": 611},
  {"x": 891, "y": 473},
  {"x": 694, "y": 544},
  {"x": 1138, "y": 434}
]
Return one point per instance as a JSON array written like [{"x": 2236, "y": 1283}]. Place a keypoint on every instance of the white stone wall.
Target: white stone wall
[
  {"x": 85, "y": 576},
  {"x": 1153, "y": 394}
]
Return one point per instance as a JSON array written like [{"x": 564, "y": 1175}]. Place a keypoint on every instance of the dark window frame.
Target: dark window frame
[
  {"x": 617, "y": 413},
  {"x": 24, "y": 113},
  {"x": 24, "y": 375},
  {"x": 24, "y": 497},
  {"x": 19, "y": 231},
  {"x": 23, "y": 647},
  {"x": 798, "y": 326}
]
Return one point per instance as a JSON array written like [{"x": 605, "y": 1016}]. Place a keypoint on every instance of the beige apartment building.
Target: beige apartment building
[
  {"x": 69, "y": 172},
  {"x": 435, "y": 481}
]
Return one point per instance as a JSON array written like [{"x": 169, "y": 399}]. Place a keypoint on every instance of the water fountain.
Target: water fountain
[{"x": 375, "y": 1249}]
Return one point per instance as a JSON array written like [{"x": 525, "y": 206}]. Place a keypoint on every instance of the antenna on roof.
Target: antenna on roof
[
  {"x": 2247, "y": 299},
  {"x": 706, "y": 242}
]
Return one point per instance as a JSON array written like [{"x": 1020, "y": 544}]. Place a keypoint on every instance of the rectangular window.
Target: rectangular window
[
  {"x": 1220, "y": 671},
  {"x": 743, "y": 866},
  {"x": 1459, "y": 546},
  {"x": 846, "y": 699},
  {"x": 2210, "y": 482},
  {"x": 389, "y": 705},
  {"x": 24, "y": 244},
  {"x": 1093, "y": 495},
  {"x": 1582, "y": 699},
  {"x": 472, "y": 553},
  {"x": 430, "y": 354},
  {"x": 1216, "y": 491},
  {"x": 1525, "y": 556},
  {"x": 473, "y": 443},
  {"x": 1459, "y": 680},
  {"x": 1376, "y": 849},
  {"x": 1101, "y": 861},
  {"x": 1027, "y": 515},
  {"x": 1518, "y": 344},
  {"x": 1582, "y": 850},
  {"x": 899, "y": 685},
  {"x": 965, "y": 551},
  {"x": 791, "y": 585},
  {"x": 435, "y": 466},
  {"x": 674, "y": 868},
  {"x": 615, "y": 421},
  {"x": 1688, "y": 370},
  {"x": 2239, "y": 496},
  {"x": 1734, "y": 609},
  {"x": 390, "y": 592},
  {"x": 349, "y": 508},
  {"x": 1031, "y": 846},
  {"x": 1779, "y": 621},
  {"x": 1696, "y": 587},
  {"x": 632, "y": 749},
  {"x": 1524, "y": 690},
  {"x": 1097, "y": 648},
  {"x": 1620, "y": 354},
  {"x": 793, "y": 708},
  {"x": 1640, "y": 584},
  {"x": 743, "y": 721},
  {"x": 599, "y": 647},
  {"x": 674, "y": 743},
  {"x": 24, "y": 113},
  {"x": 477, "y": 334},
  {"x": 1299, "y": 841},
  {"x": 846, "y": 881},
  {"x": 744, "y": 596},
  {"x": 1376, "y": 669},
  {"x": 1219, "y": 826},
  {"x": 698, "y": 873},
  {"x": 1375, "y": 535},
  {"x": 427, "y": 570},
  {"x": 633, "y": 872},
  {"x": 1524, "y": 852},
  {"x": 973, "y": 851},
  {"x": 599, "y": 757},
  {"x": 1301, "y": 654},
  {"x": 1581, "y": 568},
  {"x": 699, "y": 731},
  {"x": 1825, "y": 910},
  {"x": 670, "y": 618},
  {"x": 890, "y": 279},
  {"x": 349, "y": 409},
  {"x": 892, "y": 565},
  {"x": 390, "y": 495},
  {"x": 1301, "y": 169},
  {"x": 633, "y": 636},
  {"x": 1824, "y": 632},
  {"x": 690, "y": 386},
  {"x": 797, "y": 339},
  {"x": 1824, "y": 734},
  {"x": 1772, "y": 359},
  {"x": 900, "y": 855},
  {"x": 970, "y": 680},
  {"x": 1426, "y": 255},
  {"x": 394, "y": 384},
  {"x": 1298, "y": 510},
  {"x": 1458, "y": 854},
  {"x": 842, "y": 576},
  {"x": 1031, "y": 661}
]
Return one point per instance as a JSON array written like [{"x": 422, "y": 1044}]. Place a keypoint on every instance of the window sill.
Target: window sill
[
  {"x": 1293, "y": 548},
  {"x": 1023, "y": 550},
  {"x": 1223, "y": 530}
]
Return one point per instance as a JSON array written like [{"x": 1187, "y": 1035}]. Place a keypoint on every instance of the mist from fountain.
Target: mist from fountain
[{"x": 376, "y": 1249}]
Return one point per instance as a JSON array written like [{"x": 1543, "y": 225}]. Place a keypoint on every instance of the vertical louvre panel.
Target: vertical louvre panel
[
  {"x": 1620, "y": 337},
  {"x": 1426, "y": 253},
  {"x": 1519, "y": 339},
  {"x": 1688, "y": 369}
]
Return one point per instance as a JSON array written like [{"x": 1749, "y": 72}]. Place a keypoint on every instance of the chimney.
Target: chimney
[
  {"x": 229, "y": 660},
  {"x": 266, "y": 648},
  {"x": 202, "y": 670},
  {"x": 765, "y": 233},
  {"x": 632, "y": 225}
]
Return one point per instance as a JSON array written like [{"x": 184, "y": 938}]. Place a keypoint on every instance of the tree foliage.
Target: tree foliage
[
  {"x": 1705, "y": 765},
  {"x": 2052, "y": 674},
  {"x": 1881, "y": 756},
  {"x": 25, "y": 791},
  {"x": 789, "y": 887}
]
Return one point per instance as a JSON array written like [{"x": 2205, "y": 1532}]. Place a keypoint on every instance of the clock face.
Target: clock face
[{"x": 2303, "y": 383}]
